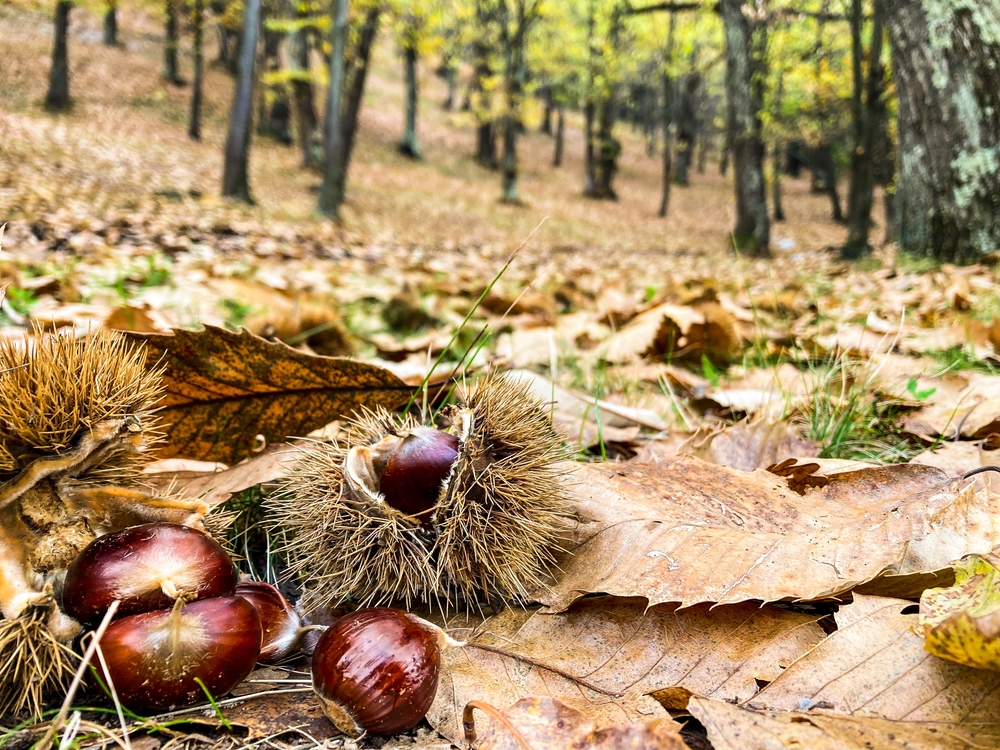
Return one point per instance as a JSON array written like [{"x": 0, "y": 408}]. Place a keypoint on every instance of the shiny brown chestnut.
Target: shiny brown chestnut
[
  {"x": 376, "y": 671},
  {"x": 412, "y": 478},
  {"x": 156, "y": 658},
  {"x": 146, "y": 568},
  {"x": 278, "y": 619}
]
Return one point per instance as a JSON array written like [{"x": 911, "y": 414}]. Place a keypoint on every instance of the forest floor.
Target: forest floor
[{"x": 113, "y": 217}]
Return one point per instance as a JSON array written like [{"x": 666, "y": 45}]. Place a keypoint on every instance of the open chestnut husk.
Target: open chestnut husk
[
  {"x": 279, "y": 621},
  {"x": 155, "y": 659},
  {"x": 376, "y": 671},
  {"x": 392, "y": 514},
  {"x": 146, "y": 568}
]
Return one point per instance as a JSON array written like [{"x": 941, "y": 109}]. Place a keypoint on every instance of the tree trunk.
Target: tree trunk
[
  {"x": 479, "y": 98},
  {"x": 57, "y": 97},
  {"x": 726, "y": 151},
  {"x": 409, "y": 146},
  {"x": 171, "y": 68},
  {"x": 667, "y": 145},
  {"x": 867, "y": 115},
  {"x": 331, "y": 194},
  {"x": 668, "y": 116},
  {"x": 356, "y": 87},
  {"x": 946, "y": 67},
  {"x": 451, "y": 77},
  {"x": 235, "y": 182},
  {"x": 560, "y": 124},
  {"x": 609, "y": 147},
  {"x": 752, "y": 232},
  {"x": 687, "y": 127},
  {"x": 302, "y": 91},
  {"x": 547, "y": 113},
  {"x": 111, "y": 24},
  {"x": 776, "y": 196},
  {"x": 197, "y": 26}
]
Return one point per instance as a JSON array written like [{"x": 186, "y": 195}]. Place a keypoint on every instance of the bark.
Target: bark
[
  {"x": 171, "y": 67},
  {"x": 331, "y": 194},
  {"x": 479, "y": 101},
  {"x": 302, "y": 92},
  {"x": 451, "y": 77},
  {"x": 752, "y": 231},
  {"x": 867, "y": 116},
  {"x": 197, "y": 27},
  {"x": 274, "y": 119},
  {"x": 548, "y": 111},
  {"x": 687, "y": 127},
  {"x": 513, "y": 37},
  {"x": 409, "y": 146},
  {"x": 726, "y": 151},
  {"x": 560, "y": 124},
  {"x": 608, "y": 147},
  {"x": 946, "y": 67},
  {"x": 668, "y": 113},
  {"x": 57, "y": 97},
  {"x": 667, "y": 145},
  {"x": 589, "y": 176},
  {"x": 111, "y": 25},
  {"x": 235, "y": 182},
  {"x": 776, "y": 197},
  {"x": 355, "y": 89}
]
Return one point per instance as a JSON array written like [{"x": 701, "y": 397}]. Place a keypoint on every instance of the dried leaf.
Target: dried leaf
[
  {"x": 543, "y": 723},
  {"x": 753, "y": 445},
  {"x": 621, "y": 647},
  {"x": 215, "y": 487},
  {"x": 687, "y": 531},
  {"x": 735, "y": 728},
  {"x": 875, "y": 665},
  {"x": 223, "y": 389},
  {"x": 962, "y": 623}
]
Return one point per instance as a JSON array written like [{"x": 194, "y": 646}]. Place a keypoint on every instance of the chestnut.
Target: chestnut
[
  {"x": 278, "y": 619},
  {"x": 376, "y": 671},
  {"x": 415, "y": 472},
  {"x": 155, "y": 658},
  {"x": 146, "y": 568}
]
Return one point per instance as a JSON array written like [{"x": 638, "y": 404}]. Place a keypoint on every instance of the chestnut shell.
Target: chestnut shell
[
  {"x": 220, "y": 640},
  {"x": 278, "y": 619},
  {"x": 133, "y": 565},
  {"x": 376, "y": 671},
  {"x": 412, "y": 478}
]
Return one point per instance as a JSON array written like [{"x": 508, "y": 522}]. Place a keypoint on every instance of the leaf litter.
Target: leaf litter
[{"x": 772, "y": 606}]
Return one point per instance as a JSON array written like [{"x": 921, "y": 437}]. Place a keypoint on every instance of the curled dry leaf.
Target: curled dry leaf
[
  {"x": 962, "y": 623},
  {"x": 734, "y": 728},
  {"x": 875, "y": 665},
  {"x": 543, "y": 723},
  {"x": 687, "y": 531},
  {"x": 223, "y": 389}
]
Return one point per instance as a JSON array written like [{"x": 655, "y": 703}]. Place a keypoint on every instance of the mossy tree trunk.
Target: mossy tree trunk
[
  {"x": 355, "y": 87},
  {"x": 752, "y": 232},
  {"x": 57, "y": 97},
  {"x": 479, "y": 97},
  {"x": 946, "y": 65},
  {"x": 516, "y": 18},
  {"x": 197, "y": 29},
  {"x": 668, "y": 115},
  {"x": 235, "y": 179},
  {"x": 608, "y": 147}
]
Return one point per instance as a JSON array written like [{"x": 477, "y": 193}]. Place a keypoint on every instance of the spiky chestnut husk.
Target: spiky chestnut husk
[
  {"x": 76, "y": 417},
  {"x": 495, "y": 529}
]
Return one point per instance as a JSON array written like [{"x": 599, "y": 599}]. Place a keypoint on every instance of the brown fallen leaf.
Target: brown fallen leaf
[
  {"x": 875, "y": 665},
  {"x": 954, "y": 459},
  {"x": 215, "y": 487},
  {"x": 809, "y": 473},
  {"x": 677, "y": 331},
  {"x": 136, "y": 319},
  {"x": 543, "y": 723},
  {"x": 621, "y": 647},
  {"x": 734, "y": 728},
  {"x": 751, "y": 445},
  {"x": 583, "y": 434},
  {"x": 687, "y": 531},
  {"x": 223, "y": 389},
  {"x": 469, "y": 673}
]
